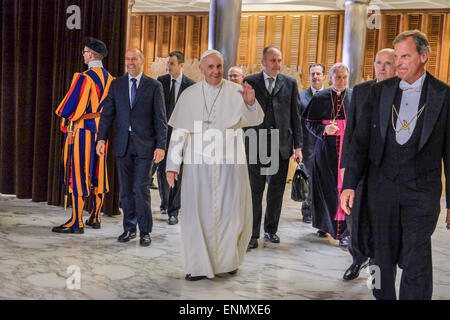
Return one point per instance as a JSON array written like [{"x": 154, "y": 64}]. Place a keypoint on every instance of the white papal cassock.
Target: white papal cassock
[{"x": 216, "y": 203}]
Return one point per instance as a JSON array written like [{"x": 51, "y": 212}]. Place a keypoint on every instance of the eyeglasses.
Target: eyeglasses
[{"x": 84, "y": 51}]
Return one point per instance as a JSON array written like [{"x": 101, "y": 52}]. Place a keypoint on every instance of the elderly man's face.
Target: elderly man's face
[
  {"x": 409, "y": 63},
  {"x": 384, "y": 65},
  {"x": 212, "y": 68},
  {"x": 340, "y": 79},
  {"x": 235, "y": 76}
]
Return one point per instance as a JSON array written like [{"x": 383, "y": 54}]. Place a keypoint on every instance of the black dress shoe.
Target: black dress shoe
[
  {"x": 233, "y": 272},
  {"x": 272, "y": 237},
  {"x": 172, "y": 220},
  {"x": 253, "y": 243},
  {"x": 353, "y": 271},
  {"x": 321, "y": 234},
  {"x": 127, "y": 236},
  {"x": 307, "y": 219},
  {"x": 343, "y": 242},
  {"x": 93, "y": 225},
  {"x": 145, "y": 240},
  {"x": 163, "y": 211},
  {"x": 191, "y": 278},
  {"x": 62, "y": 229}
]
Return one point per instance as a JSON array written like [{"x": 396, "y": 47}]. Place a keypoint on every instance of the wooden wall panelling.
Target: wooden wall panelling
[
  {"x": 340, "y": 40},
  {"x": 188, "y": 36},
  {"x": 434, "y": 34},
  {"x": 148, "y": 41},
  {"x": 135, "y": 32},
  {"x": 444, "y": 73},
  {"x": 286, "y": 35},
  {"x": 252, "y": 42},
  {"x": 390, "y": 27},
  {"x": 301, "y": 49},
  {"x": 414, "y": 21},
  {"x": 322, "y": 39},
  {"x": 178, "y": 31},
  {"x": 242, "y": 57},
  {"x": 204, "y": 35},
  {"x": 306, "y": 35},
  {"x": 312, "y": 44},
  {"x": 370, "y": 54},
  {"x": 162, "y": 36},
  {"x": 329, "y": 54},
  {"x": 294, "y": 40},
  {"x": 260, "y": 42}
]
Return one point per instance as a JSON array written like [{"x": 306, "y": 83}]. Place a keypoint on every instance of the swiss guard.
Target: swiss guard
[{"x": 84, "y": 171}]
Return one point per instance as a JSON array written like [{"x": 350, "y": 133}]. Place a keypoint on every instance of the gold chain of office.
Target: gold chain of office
[{"x": 406, "y": 125}]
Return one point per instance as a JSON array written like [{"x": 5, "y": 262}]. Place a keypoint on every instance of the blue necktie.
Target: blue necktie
[{"x": 133, "y": 91}]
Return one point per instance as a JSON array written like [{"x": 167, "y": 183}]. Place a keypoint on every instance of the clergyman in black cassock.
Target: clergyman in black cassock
[{"x": 325, "y": 174}]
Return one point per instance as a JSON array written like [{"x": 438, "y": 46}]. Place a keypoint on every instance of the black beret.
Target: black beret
[{"x": 96, "y": 45}]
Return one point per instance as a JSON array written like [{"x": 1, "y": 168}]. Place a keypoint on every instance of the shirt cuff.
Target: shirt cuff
[{"x": 252, "y": 107}]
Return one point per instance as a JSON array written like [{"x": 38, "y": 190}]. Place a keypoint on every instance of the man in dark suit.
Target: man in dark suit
[
  {"x": 358, "y": 245},
  {"x": 136, "y": 102},
  {"x": 316, "y": 77},
  {"x": 278, "y": 96},
  {"x": 402, "y": 139},
  {"x": 173, "y": 84}
]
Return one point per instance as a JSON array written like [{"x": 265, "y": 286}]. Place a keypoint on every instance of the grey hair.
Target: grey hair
[
  {"x": 236, "y": 68},
  {"x": 338, "y": 66},
  {"x": 419, "y": 38}
]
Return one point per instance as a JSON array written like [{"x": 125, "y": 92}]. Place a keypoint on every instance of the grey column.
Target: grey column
[
  {"x": 355, "y": 30},
  {"x": 224, "y": 28}
]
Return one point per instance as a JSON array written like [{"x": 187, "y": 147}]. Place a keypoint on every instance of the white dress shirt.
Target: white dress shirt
[
  {"x": 408, "y": 108},
  {"x": 177, "y": 84},
  {"x": 95, "y": 64},
  {"x": 266, "y": 81}
]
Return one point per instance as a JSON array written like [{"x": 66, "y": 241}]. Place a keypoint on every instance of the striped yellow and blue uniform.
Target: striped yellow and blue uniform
[{"x": 87, "y": 95}]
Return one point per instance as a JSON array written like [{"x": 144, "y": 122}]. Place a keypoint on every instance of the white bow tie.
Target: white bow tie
[{"x": 415, "y": 87}]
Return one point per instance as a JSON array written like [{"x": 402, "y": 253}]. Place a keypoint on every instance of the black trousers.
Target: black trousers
[
  {"x": 134, "y": 179},
  {"x": 170, "y": 197},
  {"x": 404, "y": 215},
  {"x": 277, "y": 184}
]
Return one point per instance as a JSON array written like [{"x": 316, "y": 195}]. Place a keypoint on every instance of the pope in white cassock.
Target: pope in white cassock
[{"x": 216, "y": 203}]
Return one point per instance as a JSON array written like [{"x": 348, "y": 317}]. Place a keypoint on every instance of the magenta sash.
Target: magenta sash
[{"x": 340, "y": 214}]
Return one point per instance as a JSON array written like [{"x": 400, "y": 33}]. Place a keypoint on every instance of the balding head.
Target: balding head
[{"x": 384, "y": 64}]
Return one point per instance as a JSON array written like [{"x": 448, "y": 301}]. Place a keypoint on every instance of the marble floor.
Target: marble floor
[{"x": 38, "y": 264}]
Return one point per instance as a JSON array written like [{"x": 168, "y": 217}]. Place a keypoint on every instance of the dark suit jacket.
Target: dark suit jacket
[
  {"x": 286, "y": 109},
  {"x": 309, "y": 141},
  {"x": 359, "y": 97},
  {"x": 166, "y": 83},
  {"x": 368, "y": 142},
  {"x": 147, "y": 117}
]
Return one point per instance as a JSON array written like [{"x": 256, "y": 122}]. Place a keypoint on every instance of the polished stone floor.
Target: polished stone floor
[{"x": 38, "y": 264}]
